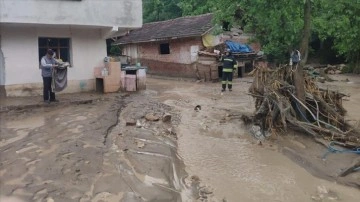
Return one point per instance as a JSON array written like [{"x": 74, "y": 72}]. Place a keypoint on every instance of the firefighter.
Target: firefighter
[{"x": 229, "y": 66}]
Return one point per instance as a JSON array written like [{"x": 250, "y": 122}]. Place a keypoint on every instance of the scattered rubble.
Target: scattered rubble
[
  {"x": 323, "y": 194},
  {"x": 140, "y": 144},
  {"x": 166, "y": 117},
  {"x": 138, "y": 124},
  {"x": 197, "y": 108},
  {"x": 152, "y": 117},
  {"x": 130, "y": 122},
  {"x": 321, "y": 72}
]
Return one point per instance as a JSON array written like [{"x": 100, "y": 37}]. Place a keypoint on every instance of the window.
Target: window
[
  {"x": 226, "y": 26},
  {"x": 61, "y": 46},
  {"x": 164, "y": 48}
]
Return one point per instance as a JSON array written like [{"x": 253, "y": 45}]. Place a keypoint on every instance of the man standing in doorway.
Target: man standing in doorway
[
  {"x": 229, "y": 66},
  {"x": 47, "y": 64}
]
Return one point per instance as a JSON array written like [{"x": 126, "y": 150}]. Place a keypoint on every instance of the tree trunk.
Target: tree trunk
[{"x": 304, "y": 47}]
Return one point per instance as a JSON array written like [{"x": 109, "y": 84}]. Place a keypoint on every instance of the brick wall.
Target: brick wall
[
  {"x": 169, "y": 68},
  {"x": 179, "y": 50},
  {"x": 178, "y": 63}
]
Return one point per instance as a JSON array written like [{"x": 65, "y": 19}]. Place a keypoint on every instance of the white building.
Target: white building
[{"x": 76, "y": 29}]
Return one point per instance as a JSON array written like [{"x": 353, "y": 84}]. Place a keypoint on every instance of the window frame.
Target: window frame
[
  {"x": 56, "y": 48},
  {"x": 168, "y": 52}
]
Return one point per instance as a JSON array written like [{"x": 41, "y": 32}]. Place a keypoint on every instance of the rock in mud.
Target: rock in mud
[
  {"x": 140, "y": 144},
  {"x": 130, "y": 122},
  {"x": 206, "y": 190},
  {"x": 320, "y": 79},
  {"x": 166, "y": 117},
  {"x": 323, "y": 194},
  {"x": 138, "y": 124},
  {"x": 197, "y": 108},
  {"x": 151, "y": 117},
  {"x": 257, "y": 132}
]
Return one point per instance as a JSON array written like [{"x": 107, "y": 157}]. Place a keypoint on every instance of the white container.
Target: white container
[{"x": 104, "y": 72}]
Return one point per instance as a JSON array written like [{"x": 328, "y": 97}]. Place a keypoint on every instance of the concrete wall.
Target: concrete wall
[
  {"x": 102, "y": 13},
  {"x": 19, "y": 46},
  {"x": 2, "y": 66},
  {"x": 2, "y": 73}
]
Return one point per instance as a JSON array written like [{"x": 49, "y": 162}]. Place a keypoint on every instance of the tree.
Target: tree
[
  {"x": 277, "y": 25},
  {"x": 340, "y": 20},
  {"x": 158, "y": 10},
  {"x": 194, "y": 7}
]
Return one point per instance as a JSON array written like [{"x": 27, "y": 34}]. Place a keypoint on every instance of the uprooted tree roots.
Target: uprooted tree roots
[{"x": 278, "y": 108}]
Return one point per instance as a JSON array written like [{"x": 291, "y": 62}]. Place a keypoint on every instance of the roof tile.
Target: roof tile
[{"x": 176, "y": 28}]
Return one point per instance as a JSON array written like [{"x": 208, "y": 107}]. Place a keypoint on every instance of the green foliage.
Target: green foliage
[
  {"x": 340, "y": 20},
  {"x": 194, "y": 7},
  {"x": 158, "y": 10},
  {"x": 277, "y": 25},
  {"x": 115, "y": 50}
]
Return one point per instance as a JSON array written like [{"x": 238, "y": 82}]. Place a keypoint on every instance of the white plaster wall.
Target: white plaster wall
[
  {"x": 103, "y": 13},
  {"x": 20, "y": 49},
  {"x": 2, "y": 66}
]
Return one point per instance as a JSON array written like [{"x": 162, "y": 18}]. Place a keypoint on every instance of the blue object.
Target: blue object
[
  {"x": 332, "y": 149},
  {"x": 236, "y": 47}
]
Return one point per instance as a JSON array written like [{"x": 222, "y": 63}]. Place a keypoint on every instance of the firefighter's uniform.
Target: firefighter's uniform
[{"x": 229, "y": 66}]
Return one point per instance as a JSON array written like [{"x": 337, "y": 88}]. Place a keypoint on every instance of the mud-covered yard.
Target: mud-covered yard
[{"x": 125, "y": 147}]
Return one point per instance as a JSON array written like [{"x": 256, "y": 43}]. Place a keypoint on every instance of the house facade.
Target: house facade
[
  {"x": 171, "y": 48},
  {"x": 175, "y": 57},
  {"x": 168, "y": 48},
  {"x": 75, "y": 29}
]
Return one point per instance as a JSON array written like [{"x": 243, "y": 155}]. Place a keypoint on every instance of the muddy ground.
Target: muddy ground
[{"x": 115, "y": 149}]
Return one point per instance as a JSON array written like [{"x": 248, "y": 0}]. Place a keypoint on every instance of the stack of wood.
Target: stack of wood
[{"x": 321, "y": 114}]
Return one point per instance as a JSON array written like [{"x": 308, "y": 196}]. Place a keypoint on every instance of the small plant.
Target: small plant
[{"x": 115, "y": 50}]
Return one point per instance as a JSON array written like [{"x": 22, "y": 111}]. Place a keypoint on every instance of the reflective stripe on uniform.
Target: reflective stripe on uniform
[
  {"x": 227, "y": 59},
  {"x": 227, "y": 70},
  {"x": 223, "y": 82}
]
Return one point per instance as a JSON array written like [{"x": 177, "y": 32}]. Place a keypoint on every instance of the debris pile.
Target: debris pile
[
  {"x": 321, "y": 72},
  {"x": 321, "y": 114}
]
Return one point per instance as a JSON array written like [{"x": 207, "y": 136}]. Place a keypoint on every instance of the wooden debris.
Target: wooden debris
[{"x": 277, "y": 106}]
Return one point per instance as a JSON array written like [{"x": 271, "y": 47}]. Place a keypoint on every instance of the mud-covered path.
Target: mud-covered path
[
  {"x": 87, "y": 152},
  {"x": 216, "y": 146},
  {"x": 100, "y": 151},
  {"x": 56, "y": 153}
]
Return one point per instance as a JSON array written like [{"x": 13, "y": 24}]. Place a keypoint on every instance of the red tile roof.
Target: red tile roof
[{"x": 189, "y": 26}]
